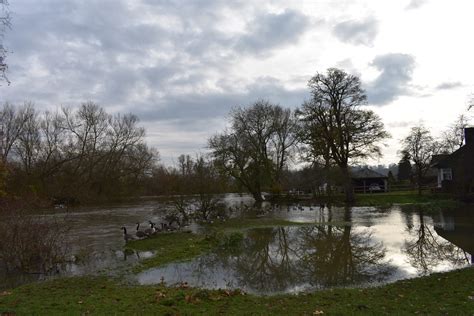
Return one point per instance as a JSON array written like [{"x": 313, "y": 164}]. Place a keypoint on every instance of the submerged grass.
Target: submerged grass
[
  {"x": 170, "y": 247},
  {"x": 443, "y": 293},
  {"x": 182, "y": 246},
  {"x": 241, "y": 224}
]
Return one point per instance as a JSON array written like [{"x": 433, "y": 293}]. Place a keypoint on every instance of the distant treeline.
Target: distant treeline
[{"x": 68, "y": 155}]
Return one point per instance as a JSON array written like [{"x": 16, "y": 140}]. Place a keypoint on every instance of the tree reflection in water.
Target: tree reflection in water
[
  {"x": 277, "y": 259},
  {"x": 338, "y": 255},
  {"x": 267, "y": 262},
  {"x": 425, "y": 250}
]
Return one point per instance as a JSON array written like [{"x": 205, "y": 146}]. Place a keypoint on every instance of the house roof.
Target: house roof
[
  {"x": 437, "y": 158},
  {"x": 447, "y": 160},
  {"x": 367, "y": 173}
]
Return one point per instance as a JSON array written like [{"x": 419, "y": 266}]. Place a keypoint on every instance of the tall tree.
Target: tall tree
[
  {"x": 404, "y": 167},
  {"x": 421, "y": 147},
  {"x": 339, "y": 123},
  {"x": 12, "y": 122},
  {"x": 256, "y": 148}
]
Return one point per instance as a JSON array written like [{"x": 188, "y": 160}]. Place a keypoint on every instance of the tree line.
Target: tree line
[
  {"x": 88, "y": 154},
  {"x": 72, "y": 154}
]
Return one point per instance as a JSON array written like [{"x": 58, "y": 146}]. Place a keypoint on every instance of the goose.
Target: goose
[
  {"x": 126, "y": 236},
  {"x": 151, "y": 230},
  {"x": 139, "y": 233}
]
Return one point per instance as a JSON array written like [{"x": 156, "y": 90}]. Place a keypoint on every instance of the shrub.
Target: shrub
[{"x": 31, "y": 243}]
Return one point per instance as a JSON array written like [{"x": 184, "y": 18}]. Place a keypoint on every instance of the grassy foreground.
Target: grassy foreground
[{"x": 438, "y": 294}]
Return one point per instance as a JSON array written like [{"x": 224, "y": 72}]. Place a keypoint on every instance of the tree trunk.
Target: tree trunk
[
  {"x": 420, "y": 178},
  {"x": 348, "y": 188},
  {"x": 258, "y": 197},
  {"x": 327, "y": 167}
]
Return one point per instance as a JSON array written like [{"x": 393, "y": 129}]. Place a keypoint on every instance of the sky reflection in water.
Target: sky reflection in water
[{"x": 356, "y": 247}]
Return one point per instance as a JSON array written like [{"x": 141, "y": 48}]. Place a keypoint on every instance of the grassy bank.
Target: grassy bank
[
  {"x": 405, "y": 197},
  {"x": 445, "y": 293},
  {"x": 384, "y": 199}
]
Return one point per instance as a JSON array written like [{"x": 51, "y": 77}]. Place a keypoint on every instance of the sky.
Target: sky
[{"x": 180, "y": 66}]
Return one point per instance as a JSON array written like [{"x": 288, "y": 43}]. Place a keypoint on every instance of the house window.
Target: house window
[{"x": 446, "y": 174}]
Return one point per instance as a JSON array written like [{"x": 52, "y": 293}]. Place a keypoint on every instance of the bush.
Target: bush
[{"x": 31, "y": 243}]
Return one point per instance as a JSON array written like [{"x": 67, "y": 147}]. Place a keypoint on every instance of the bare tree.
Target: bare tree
[
  {"x": 421, "y": 146},
  {"x": 453, "y": 137},
  {"x": 5, "y": 23},
  {"x": 256, "y": 148},
  {"x": 12, "y": 121},
  {"x": 340, "y": 127},
  {"x": 28, "y": 145}
]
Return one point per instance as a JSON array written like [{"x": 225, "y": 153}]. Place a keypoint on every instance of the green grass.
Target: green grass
[
  {"x": 170, "y": 247},
  {"x": 241, "y": 224},
  {"x": 438, "y": 294},
  {"x": 182, "y": 246},
  {"x": 390, "y": 198}
]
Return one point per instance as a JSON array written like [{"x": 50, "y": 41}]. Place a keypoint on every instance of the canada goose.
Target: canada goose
[
  {"x": 151, "y": 230},
  {"x": 126, "y": 236},
  {"x": 139, "y": 233}
]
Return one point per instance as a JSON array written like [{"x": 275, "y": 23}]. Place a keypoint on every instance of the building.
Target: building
[
  {"x": 456, "y": 171},
  {"x": 366, "y": 180}
]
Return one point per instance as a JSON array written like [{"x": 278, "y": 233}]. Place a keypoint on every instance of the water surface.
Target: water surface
[{"x": 337, "y": 247}]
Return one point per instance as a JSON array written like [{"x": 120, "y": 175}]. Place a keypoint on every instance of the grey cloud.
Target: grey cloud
[
  {"x": 273, "y": 30},
  {"x": 196, "y": 106},
  {"x": 357, "y": 32},
  {"x": 113, "y": 53},
  {"x": 395, "y": 75},
  {"x": 449, "y": 85}
]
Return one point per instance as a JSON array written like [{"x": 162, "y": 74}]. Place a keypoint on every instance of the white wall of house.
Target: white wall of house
[{"x": 444, "y": 174}]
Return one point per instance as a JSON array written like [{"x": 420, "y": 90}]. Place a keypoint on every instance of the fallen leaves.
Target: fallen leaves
[{"x": 159, "y": 295}]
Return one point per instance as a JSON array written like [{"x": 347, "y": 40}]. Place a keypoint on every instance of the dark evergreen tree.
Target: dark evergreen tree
[{"x": 404, "y": 167}]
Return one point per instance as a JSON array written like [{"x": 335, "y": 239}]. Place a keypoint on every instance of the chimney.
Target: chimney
[{"x": 469, "y": 135}]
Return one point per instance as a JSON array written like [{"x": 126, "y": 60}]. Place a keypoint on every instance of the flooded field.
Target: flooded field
[{"x": 336, "y": 247}]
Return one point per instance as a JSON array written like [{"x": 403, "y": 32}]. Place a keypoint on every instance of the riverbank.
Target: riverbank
[
  {"x": 385, "y": 199},
  {"x": 442, "y": 293}
]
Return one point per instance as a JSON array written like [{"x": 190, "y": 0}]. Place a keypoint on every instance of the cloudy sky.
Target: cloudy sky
[{"x": 181, "y": 65}]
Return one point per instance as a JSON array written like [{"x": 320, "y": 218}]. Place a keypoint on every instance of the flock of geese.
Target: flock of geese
[{"x": 153, "y": 230}]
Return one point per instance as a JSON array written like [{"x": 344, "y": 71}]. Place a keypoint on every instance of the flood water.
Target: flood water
[{"x": 336, "y": 247}]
